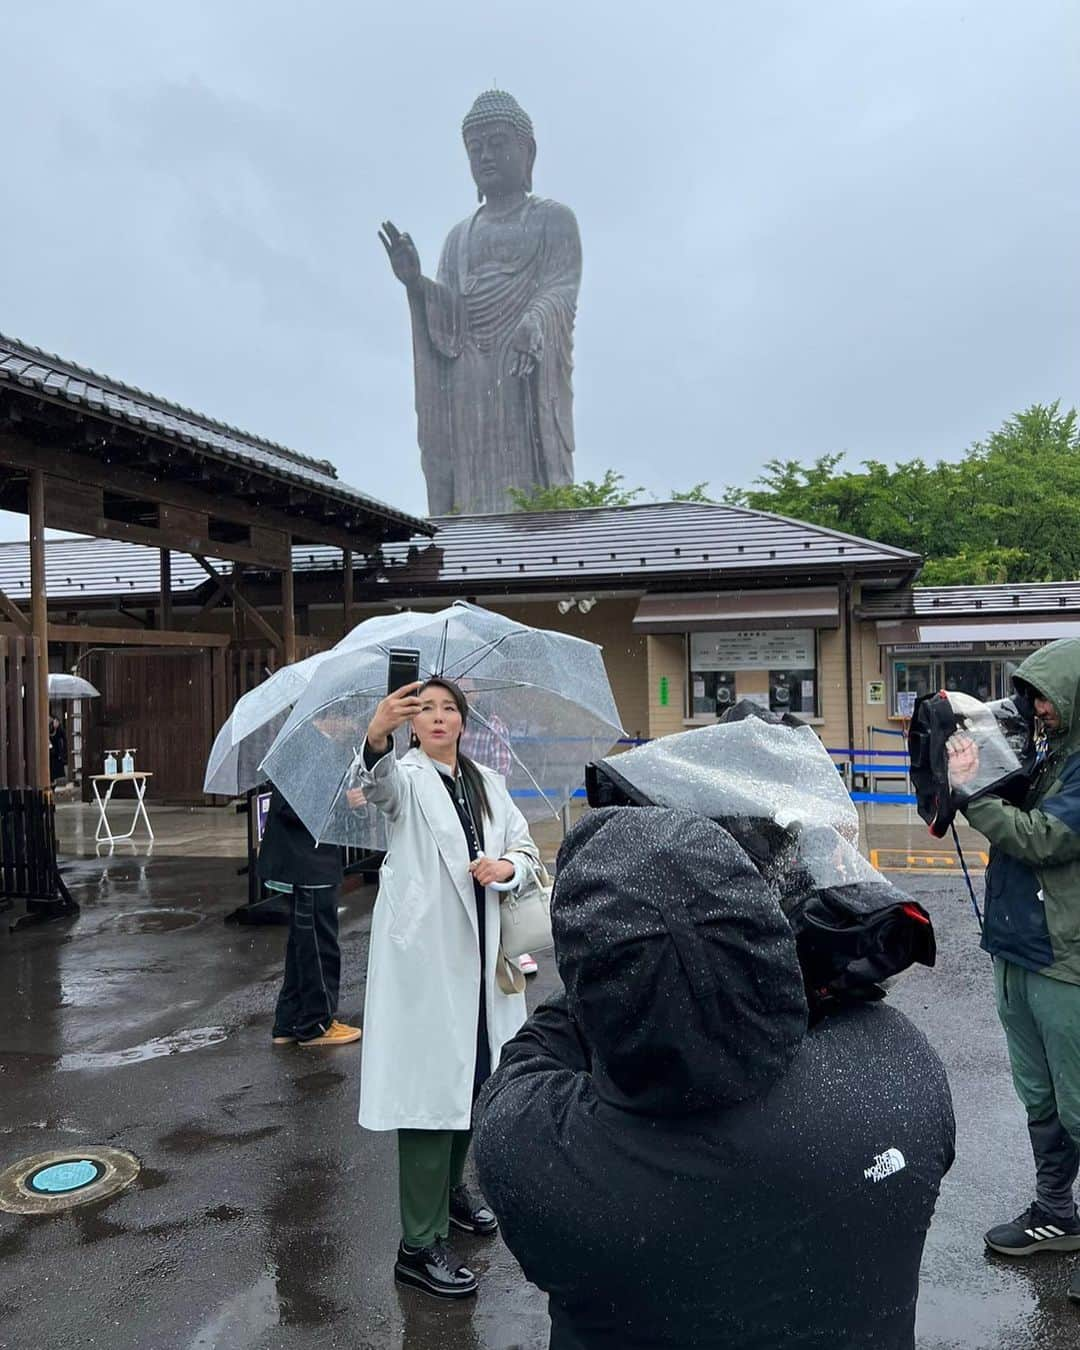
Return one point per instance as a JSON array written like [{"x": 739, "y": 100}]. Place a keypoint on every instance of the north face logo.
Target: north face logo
[{"x": 886, "y": 1164}]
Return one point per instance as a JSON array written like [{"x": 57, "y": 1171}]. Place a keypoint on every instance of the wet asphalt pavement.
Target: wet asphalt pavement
[{"x": 263, "y": 1217}]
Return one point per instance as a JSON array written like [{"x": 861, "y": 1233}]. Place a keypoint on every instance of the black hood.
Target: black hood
[{"x": 680, "y": 968}]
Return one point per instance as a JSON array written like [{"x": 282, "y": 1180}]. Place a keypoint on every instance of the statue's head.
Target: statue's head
[{"x": 499, "y": 139}]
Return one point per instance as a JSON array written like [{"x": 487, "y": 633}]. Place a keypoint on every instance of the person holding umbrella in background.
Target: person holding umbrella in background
[
  {"x": 310, "y": 873},
  {"x": 58, "y": 750}
]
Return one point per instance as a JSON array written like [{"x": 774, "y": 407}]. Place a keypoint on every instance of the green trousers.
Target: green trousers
[
  {"x": 1041, "y": 1018},
  {"x": 430, "y": 1164}
]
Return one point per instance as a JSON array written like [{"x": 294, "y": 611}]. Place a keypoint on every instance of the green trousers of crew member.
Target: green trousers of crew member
[
  {"x": 430, "y": 1164},
  {"x": 1041, "y": 1017}
]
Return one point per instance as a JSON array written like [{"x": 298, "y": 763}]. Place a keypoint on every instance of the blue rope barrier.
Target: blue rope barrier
[{"x": 876, "y": 754}]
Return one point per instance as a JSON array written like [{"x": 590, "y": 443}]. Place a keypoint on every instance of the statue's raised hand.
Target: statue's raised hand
[{"x": 401, "y": 251}]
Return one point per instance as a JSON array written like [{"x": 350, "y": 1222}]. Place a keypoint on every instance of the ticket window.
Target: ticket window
[
  {"x": 912, "y": 678},
  {"x": 712, "y": 692},
  {"x": 970, "y": 677},
  {"x": 793, "y": 691}
]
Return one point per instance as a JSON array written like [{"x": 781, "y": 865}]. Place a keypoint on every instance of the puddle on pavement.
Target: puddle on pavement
[
  {"x": 956, "y": 1318},
  {"x": 164, "y": 920},
  {"x": 242, "y": 1321},
  {"x": 196, "y": 1138},
  {"x": 196, "y": 1038}
]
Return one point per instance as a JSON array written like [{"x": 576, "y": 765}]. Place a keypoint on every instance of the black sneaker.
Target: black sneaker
[
  {"x": 470, "y": 1214},
  {"x": 1035, "y": 1231},
  {"x": 1073, "y": 1290},
  {"x": 431, "y": 1269}
]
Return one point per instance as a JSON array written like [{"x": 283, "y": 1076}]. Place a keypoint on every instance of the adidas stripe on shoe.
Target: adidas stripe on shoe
[{"x": 1035, "y": 1231}]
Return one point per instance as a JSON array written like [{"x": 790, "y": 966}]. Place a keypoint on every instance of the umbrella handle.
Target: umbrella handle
[{"x": 501, "y": 886}]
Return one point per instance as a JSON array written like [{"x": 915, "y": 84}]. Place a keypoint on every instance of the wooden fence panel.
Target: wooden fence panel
[{"x": 19, "y": 728}]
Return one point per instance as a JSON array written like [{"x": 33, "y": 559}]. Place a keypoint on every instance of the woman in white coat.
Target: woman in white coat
[{"x": 442, "y": 1000}]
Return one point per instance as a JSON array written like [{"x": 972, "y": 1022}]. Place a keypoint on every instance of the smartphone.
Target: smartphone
[{"x": 404, "y": 668}]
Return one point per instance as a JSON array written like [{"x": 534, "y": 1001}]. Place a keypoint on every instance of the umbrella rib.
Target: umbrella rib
[
  {"x": 442, "y": 648},
  {"x": 518, "y": 762},
  {"x": 479, "y": 654}
]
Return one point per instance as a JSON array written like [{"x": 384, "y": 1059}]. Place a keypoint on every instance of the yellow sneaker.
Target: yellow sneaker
[{"x": 338, "y": 1034}]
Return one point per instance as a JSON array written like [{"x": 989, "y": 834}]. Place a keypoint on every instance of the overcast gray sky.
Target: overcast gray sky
[{"x": 807, "y": 227}]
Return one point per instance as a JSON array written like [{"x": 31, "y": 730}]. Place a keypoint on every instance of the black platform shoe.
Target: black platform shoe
[
  {"x": 432, "y": 1270},
  {"x": 470, "y": 1214}
]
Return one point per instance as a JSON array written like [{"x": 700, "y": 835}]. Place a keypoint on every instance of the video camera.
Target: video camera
[
  {"x": 767, "y": 780},
  {"x": 1003, "y": 736}
]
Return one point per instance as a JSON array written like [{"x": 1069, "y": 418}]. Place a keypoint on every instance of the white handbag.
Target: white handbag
[{"x": 525, "y": 914}]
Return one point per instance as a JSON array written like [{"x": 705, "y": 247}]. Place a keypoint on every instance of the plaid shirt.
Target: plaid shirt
[{"x": 488, "y": 745}]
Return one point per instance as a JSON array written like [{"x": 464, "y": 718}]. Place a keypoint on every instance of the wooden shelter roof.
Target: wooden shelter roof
[{"x": 44, "y": 399}]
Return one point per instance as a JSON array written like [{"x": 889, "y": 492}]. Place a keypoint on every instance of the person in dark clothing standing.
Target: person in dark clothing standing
[
  {"x": 290, "y": 861},
  {"x": 58, "y": 750},
  {"x": 672, "y": 1155}
]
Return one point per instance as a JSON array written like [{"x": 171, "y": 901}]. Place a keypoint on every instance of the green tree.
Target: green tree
[
  {"x": 1008, "y": 510},
  {"x": 574, "y": 496},
  {"x": 608, "y": 492},
  {"x": 697, "y": 493}
]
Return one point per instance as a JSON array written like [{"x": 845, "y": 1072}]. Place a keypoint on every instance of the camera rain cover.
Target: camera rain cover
[
  {"x": 776, "y": 790},
  {"x": 1002, "y": 732}
]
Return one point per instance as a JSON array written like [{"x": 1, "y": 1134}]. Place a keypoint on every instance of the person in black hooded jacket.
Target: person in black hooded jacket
[{"x": 672, "y": 1155}]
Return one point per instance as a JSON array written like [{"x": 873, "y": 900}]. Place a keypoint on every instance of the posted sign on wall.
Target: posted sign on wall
[{"x": 770, "y": 649}]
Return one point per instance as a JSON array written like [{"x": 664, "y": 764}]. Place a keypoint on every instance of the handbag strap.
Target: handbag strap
[{"x": 508, "y": 977}]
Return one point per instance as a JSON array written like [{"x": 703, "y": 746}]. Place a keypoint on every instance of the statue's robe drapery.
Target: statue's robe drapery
[{"x": 481, "y": 429}]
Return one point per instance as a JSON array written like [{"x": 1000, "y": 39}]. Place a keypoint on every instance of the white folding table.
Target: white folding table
[{"x": 104, "y": 832}]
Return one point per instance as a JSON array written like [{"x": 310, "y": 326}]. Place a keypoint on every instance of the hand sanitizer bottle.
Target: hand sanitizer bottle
[
  {"x": 128, "y": 762},
  {"x": 110, "y": 761}
]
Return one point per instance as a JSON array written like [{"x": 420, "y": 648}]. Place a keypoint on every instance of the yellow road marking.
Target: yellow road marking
[{"x": 901, "y": 860}]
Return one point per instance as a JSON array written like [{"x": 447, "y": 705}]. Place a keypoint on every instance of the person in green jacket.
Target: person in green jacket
[{"x": 1032, "y": 930}]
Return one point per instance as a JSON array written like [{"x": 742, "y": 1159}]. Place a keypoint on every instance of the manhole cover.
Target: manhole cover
[
  {"x": 165, "y": 920},
  {"x": 50, "y": 1182}
]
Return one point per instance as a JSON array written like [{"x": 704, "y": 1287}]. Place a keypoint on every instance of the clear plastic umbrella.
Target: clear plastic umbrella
[
  {"x": 71, "y": 686},
  {"x": 540, "y": 706},
  {"x": 249, "y": 731},
  {"x": 775, "y": 789}
]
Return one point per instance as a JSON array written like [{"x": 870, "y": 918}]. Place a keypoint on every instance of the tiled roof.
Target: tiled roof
[
  {"x": 1043, "y": 597},
  {"x": 656, "y": 545},
  {"x": 633, "y": 545},
  {"x": 98, "y": 569},
  {"x": 25, "y": 368}
]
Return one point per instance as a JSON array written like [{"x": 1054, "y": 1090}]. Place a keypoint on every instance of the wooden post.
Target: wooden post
[
  {"x": 39, "y": 621},
  {"x": 239, "y": 627},
  {"x": 347, "y": 574},
  {"x": 288, "y": 614},
  {"x": 165, "y": 603}
]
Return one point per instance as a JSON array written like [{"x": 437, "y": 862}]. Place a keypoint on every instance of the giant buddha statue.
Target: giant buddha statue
[{"x": 493, "y": 333}]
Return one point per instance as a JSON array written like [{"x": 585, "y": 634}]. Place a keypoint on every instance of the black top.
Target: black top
[
  {"x": 672, "y": 1156},
  {"x": 289, "y": 854},
  {"x": 472, "y": 824}
]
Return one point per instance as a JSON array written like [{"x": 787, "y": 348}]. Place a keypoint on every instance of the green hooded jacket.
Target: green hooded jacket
[{"x": 1033, "y": 880}]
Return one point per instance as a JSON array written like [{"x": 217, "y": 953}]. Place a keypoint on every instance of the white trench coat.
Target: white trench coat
[{"x": 423, "y": 979}]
